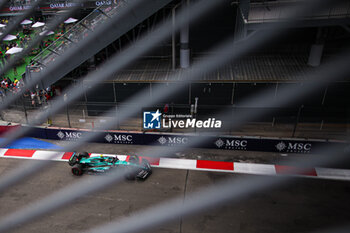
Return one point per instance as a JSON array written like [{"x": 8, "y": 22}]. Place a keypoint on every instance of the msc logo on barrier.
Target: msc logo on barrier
[
  {"x": 119, "y": 138},
  {"x": 172, "y": 141},
  {"x": 232, "y": 144},
  {"x": 294, "y": 147},
  {"x": 151, "y": 120},
  {"x": 69, "y": 135}
]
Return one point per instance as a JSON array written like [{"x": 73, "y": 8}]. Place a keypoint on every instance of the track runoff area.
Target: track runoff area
[
  {"x": 192, "y": 164},
  {"x": 289, "y": 208}
]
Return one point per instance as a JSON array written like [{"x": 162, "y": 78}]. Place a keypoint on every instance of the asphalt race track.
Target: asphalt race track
[{"x": 303, "y": 206}]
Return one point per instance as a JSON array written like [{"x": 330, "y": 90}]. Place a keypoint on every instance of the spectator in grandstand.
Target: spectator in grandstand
[
  {"x": 9, "y": 81},
  {"x": 42, "y": 97},
  {"x": 47, "y": 96},
  {"x": 21, "y": 42},
  {"x": 15, "y": 82},
  {"x": 32, "y": 97},
  {"x": 38, "y": 98},
  {"x": 2, "y": 57},
  {"x": 3, "y": 83}
]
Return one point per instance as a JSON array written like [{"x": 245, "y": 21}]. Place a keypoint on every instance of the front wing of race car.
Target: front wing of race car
[{"x": 145, "y": 170}]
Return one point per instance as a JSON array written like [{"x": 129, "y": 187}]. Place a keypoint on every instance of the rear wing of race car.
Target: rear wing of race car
[{"x": 76, "y": 157}]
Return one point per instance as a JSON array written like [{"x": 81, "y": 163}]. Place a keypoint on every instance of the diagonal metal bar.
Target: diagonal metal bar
[
  {"x": 66, "y": 38},
  {"x": 103, "y": 13},
  {"x": 86, "y": 27},
  {"x": 53, "y": 51}
]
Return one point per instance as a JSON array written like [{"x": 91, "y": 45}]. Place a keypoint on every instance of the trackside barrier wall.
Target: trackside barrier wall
[{"x": 277, "y": 145}]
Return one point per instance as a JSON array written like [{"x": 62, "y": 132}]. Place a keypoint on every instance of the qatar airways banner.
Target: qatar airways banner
[
  {"x": 191, "y": 141},
  {"x": 59, "y": 5}
]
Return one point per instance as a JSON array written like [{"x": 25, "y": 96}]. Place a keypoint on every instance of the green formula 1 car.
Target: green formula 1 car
[{"x": 84, "y": 163}]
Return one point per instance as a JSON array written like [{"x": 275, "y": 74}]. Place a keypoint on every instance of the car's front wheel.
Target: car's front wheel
[{"x": 77, "y": 170}]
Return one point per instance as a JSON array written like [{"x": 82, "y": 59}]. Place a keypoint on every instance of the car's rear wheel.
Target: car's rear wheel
[{"x": 77, "y": 170}]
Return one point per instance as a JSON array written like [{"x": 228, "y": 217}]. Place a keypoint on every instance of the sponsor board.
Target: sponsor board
[
  {"x": 69, "y": 135},
  {"x": 294, "y": 147},
  {"x": 104, "y": 3},
  {"x": 167, "y": 140},
  {"x": 59, "y": 5},
  {"x": 119, "y": 138},
  {"x": 19, "y": 8},
  {"x": 290, "y": 146},
  {"x": 224, "y": 143},
  {"x": 231, "y": 144}
]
